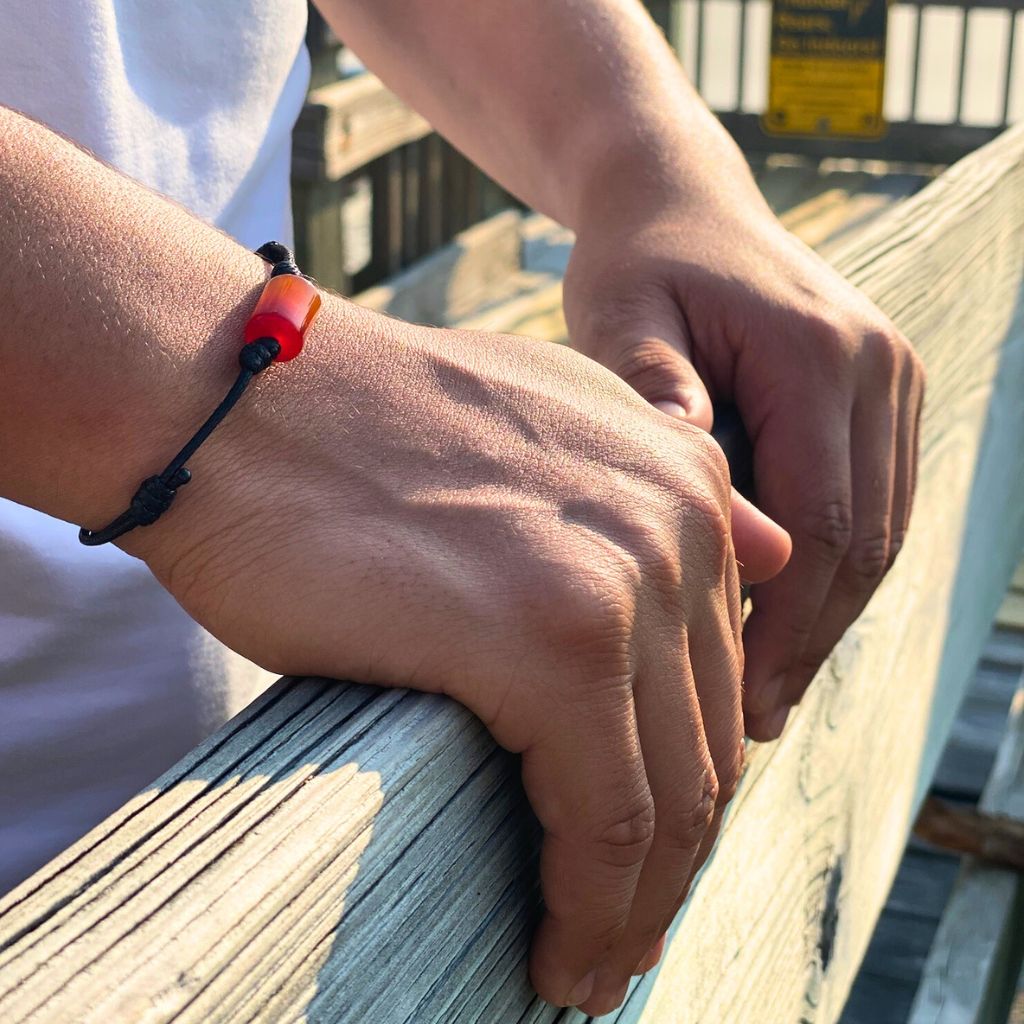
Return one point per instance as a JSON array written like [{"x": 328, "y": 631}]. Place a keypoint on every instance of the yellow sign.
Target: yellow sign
[{"x": 827, "y": 68}]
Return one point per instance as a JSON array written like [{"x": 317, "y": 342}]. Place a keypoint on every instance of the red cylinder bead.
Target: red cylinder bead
[{"x": 287, "y": 307}]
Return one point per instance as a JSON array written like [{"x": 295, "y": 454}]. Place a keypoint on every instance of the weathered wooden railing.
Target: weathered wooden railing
[
  {"x": 346, "y": 854},
  {"x": 374, "y": 188}
]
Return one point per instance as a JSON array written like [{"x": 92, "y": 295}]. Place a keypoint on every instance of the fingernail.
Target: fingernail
[
  {"x": 778, "y": 721},
  {"x": 652, "y": 958},
  {"x": 581, "y": 993},
  {"x": 670, "y": 408},
  {"x": 607, "y": 1000},
  {"x": 769, "y": 696}
]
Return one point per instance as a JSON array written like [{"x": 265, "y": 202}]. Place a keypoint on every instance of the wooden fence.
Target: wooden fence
[
  {"x": 375, "y": 190},
  {"x": 347, "y": 854}
]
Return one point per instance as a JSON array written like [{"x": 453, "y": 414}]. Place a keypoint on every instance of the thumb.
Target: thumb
[
  {"x": 660, "y": 371},
  {"x": 762, "y": 546}
]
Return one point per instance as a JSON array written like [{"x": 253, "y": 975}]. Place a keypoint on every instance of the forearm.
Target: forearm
[
  {"x": 558, "y": 99},
  {"x": 122, "y": 321}
]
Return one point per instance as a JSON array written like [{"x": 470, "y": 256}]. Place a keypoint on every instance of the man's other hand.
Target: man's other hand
[{"x": 694, "y": 299}]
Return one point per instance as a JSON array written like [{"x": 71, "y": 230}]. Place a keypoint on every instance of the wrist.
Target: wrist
[
  {"x": 263, "y": 436},
  {"x": 683, "y": 160},
  {"x": 92, "y": 424}
]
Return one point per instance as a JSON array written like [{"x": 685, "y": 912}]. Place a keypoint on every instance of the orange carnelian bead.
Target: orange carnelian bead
[{"x": 284, "y": 312}]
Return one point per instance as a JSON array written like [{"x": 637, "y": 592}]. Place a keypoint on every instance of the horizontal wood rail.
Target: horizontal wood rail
[
  {"x": 976, "y": 956},
  {"x": 374, "y": 189},
  {"x": 347, "y": 124},
  {"x": 347, "y": 854}
]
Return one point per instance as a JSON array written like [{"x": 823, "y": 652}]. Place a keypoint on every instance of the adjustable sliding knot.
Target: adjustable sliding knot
[
  {"x": 280, "y": 256},
  {"x": 275, "y": 332},
  {"x": 154, "y": 496},
  {"x": 259, "y": 354}
]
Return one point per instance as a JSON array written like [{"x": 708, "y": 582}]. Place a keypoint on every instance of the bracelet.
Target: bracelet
[{"x": 275, "y": 332}]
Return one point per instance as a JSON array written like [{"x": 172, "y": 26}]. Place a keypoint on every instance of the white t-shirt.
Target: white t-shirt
[{"x": 104, "y": 681}]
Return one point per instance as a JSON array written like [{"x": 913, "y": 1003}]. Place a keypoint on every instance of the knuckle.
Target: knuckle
[
  {"x": 625, "y": 840},
  {"x": 885, "y": 347},
  {"x": 895, "y": 547},
  {"x": 823, "y": 329},
  {"x": 717, "y": 532},
  {"x": 704, "y": 518},
  {"x": 829, "y": 337},
  {"x": 686, "y": 829},
  {"x": 659, "y": 554},
  {"x": 710, "y": 455},
  {"x": 830, "y": 526},
  {"x": 730, "y": 774},
  {"x": 584, "y": 607},
  {"x": 868, "y": 557},
  {"x": 647, "y": 366}
]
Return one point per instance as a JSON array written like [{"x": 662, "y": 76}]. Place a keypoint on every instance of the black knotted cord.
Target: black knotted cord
[{"x": 156, "y": 493}]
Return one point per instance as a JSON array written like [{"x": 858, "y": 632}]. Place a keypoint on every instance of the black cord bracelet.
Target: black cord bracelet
[{"x": 274, "y": 332}]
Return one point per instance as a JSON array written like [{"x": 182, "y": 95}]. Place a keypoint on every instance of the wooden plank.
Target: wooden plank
[
  {"x": 387, "y": 223},
  {"x": 922, "y": 884},
  {"x": 477, "y": 267},
  {"x": 995, "y": 839},
  {"x": 969, "y": 975},
  {"x": 345, "y": 854},
  {"x": 970, "y": 752},
  {"x": 899, "y": 951},
  {"x": 1011, "y": 611},
  {"x": 1018, "y": 579},
  {"x": 1017, "y": 1008},
  {"x": 431, "y": 182},
  {"x": 320, "y": 241},
  {"x": 878, "y": 1000},
  {"x": 346, "y": 125},
  {"x": 1006, "y": 647},
  {"x": 455, "y": 192},
  {"x": 926, "y": 876},
  {"x": 970, "y": 972}
]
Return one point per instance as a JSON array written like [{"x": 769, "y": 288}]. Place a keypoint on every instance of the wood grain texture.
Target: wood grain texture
[
  {"x": 342, "y": 854},
  {"x": 477, "y": 267},
  {"x": 345, "y": 125},
  {"x": 970, "y": 974}
]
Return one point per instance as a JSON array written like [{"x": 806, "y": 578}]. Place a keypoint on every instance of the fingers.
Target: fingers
[
  {"x": 720, "y": 703},
  {"x": 884, "y": 456},
  {"x": 869, "y": 554},
  {"x": 905, "y": 470},
  {"x": 853, "y": 528},
  {"x": 653, "y": 361},
  {"x": 685, "y": 789},
  {"x": 587, "y": 784},
  {"x": 762, "y": 546},
  {"x": 802, "y": 464},
  {"x": 653, "y": 957}
]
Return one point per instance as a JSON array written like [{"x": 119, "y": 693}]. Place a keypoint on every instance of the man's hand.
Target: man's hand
[
  {"x": 501, "y": 520},
  {"x": 508, "y": 523},
  {"x": 691, "y": 300}
]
